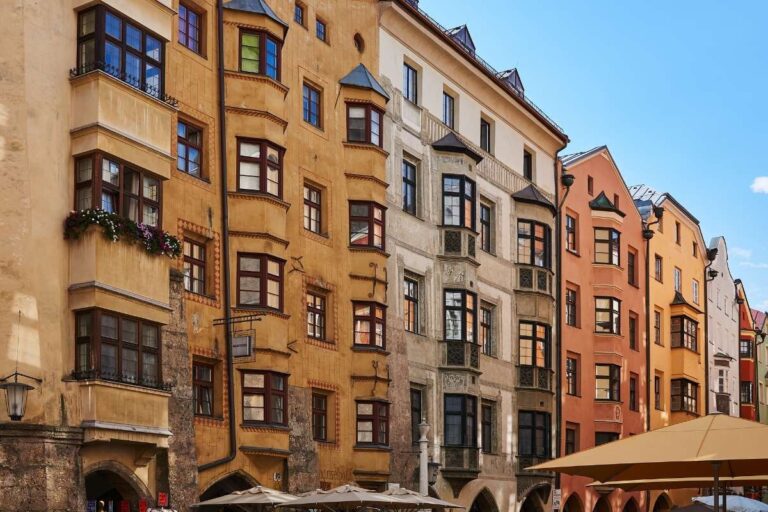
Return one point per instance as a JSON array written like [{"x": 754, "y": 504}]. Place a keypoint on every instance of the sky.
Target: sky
[{"x": 677, "y": 90}]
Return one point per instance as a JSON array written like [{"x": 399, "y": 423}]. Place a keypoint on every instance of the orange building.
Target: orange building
[{"x": 603, "y": 336}]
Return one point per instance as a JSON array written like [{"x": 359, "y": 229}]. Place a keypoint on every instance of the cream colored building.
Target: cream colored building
[{"x": 471, "y": 274}]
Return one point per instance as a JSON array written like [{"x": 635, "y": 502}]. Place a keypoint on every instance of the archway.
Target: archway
[
  {"x": 663, "y": 503},
  {"x": 631, "y": 506},
  {"x": 536, "y": 498},
  {"x": 236, "y": 481},
  {"x": 602, "y": 505},
  {"x": 111, "y": 483},
  {"x": 484, "y": 502},
  {"x": 573, "y": 504}
]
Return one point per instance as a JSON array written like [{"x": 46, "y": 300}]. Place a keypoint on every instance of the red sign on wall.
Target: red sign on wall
[
  {"x": 142, "y": 505},
  {"x": 124, "y": 506},
  {"x": 162, "y": 499}
]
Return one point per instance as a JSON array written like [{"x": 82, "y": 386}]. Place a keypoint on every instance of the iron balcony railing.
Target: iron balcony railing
[
  {"x": 534, "y": 377},
  {"x": 461, "y": 353},
  {"x": 131, "y": 80}
]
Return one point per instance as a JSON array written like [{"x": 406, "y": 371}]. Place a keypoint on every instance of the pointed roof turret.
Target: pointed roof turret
[
  {"x": 256, "y": 7},
  {"x": 452, "y": 144},
  {"x": 533, "y": 195},
  {"x": 362, "y": 78},
  {"x": 462, "y": 36}
]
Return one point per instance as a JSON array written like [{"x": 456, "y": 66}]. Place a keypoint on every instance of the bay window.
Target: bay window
[
  {"x": 366, "y": 224},
  {"x": 460, "y": 420},
  {"x": 259, "y": 281},
  {"x": 534, "y": 341},
  {"x": 684, "y": 333},
  {"x": 364, "y": 123},
  {"x": 534, "y": 243},
  {"x": 369, "y": 324},
  {"x": 607, "y": 246},
  {"x": 458, "y": 201},
  {"x": 608, "y": 382},
  {"x": 260, "y": 54},
  {"x": 259, "y": 167},
  {"x": 685, "y": 396},
  {"x": 265, "y": 398},
  {"x": 460, "y": 316},
  {"x": 372, "y": 423},
  {"x": 607, "y": 315}
]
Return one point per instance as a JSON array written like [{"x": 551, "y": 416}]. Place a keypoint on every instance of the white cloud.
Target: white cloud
[
  {"x": 751, "y": 264},
  {"x": 741, "y": 253},
  {"x": 760, "y": 185}
]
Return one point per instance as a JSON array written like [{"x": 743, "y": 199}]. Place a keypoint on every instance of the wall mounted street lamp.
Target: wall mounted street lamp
[
  {"x": 15, "y": 391},
  {"x": 712, "y": 273},
  {"x": 433, "y": 467}
]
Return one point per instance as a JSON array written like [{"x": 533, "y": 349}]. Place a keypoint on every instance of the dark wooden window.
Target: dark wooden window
[
  {"x": 369, "y": 324},
  {"x": 605, "y": 437},
  {"x": 189, "y": 148},
  {"x": 410, "y": 84},
  {"x": 534, "y": 243},
  {"x": 487, "y": 423},
  {"x": 608, "y": 382},
  {"x": 364, "y": 123},
  {"x": 527, "y": 165},
  {"x": 111, "y": 42},
  {"x": 571, "y": 307},
  {"x": 409, "y": 187},
  {"x": 260, "y": 54},
  {"x": 590, "y": 186},
  {"x": 657, "y": 328},
  {"x": 572, "y": 376},
  {"x": 259, "y": 167},
  {"x": 259, "y": 281},
  {"x": 202, "y": 382},
  {"x": 633, "y": 326},
  {"x": 460, "y": 420},
  {"x": 190, "y": 21},
  {"x": 678, "y": 233},
  {"x": 316, "y": 316},
  {"x": 684, "y": 395},
  {"x": 607, "y": 246},
  {"x": 313, "y": 217},
  {"x": 109, "y": 184},
  {"x": 695, "y": 250},
  {"x": 745, "y": 348},
  {"x": 458, "y": 201},
  {"x": 534, "y": 434},
  {"x": 633, "y": 380},
  {"x": 372, "y": 423},
  {"x": 684, "y": 333},
  {"x": 571, "y": 439},
  {"x": 417, "y": 413},
  {"x": 570, "y": 234},
  {"x": 194, "y": 267},
  {"x": 658, "y": 268},
  {"x": 607, "y": 315},
  {"x": 265, "y": 397},
  {"x": 460, "y": 316},
  {"x": 678, "y": 280},
  {"x": 312, "y": 108},
  {"x": 321, "y": 30},
  {"x": 448, "y": 109},
  {"x": 632, "y": 267},
  {"x": 298, "y": 14},
  {"x": 486, "y": 329},
  {"x": 485, "y": 135},
  {"x": 535, "y": 343},
  {"x": 366, "y": 224},
  {"x": 486, "y": 227},
  {"x": 411, "y": 304},
  {"x": 117, "y": 347},
  {"x": 319, "y": 416},
  {"x": 657, "y": 392},
  {"x": 745, "y": 394}
]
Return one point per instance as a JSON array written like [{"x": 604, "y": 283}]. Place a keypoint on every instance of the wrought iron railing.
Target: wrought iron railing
[
  {"x": 461, "y": 353},
  {"x": 534, "y": 377},
  {"x": 131, "y": 80},
  {"x": 461, "y": 458},
  {"x": 124, "y": 378}
]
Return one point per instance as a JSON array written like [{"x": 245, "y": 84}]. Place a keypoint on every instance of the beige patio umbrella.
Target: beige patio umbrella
[
  {"x": 418, "y": 500},
  {"x": 263, "y": 497},
  {"x": 347, "y": 497},
  {"x": 681, "y": 483}
]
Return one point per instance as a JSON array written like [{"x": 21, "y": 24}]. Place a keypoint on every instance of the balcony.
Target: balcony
[
  {"x": 522, "y": 462},
  {"x": 533, "y": 377},
  {"x": 459, "y": 466},
  {"x": 461, "y": 354},
  {"x": 458, "y": 242},
  {"x": 534, "y": 279}
]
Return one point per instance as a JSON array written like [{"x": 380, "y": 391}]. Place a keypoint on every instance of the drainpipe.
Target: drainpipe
[{"x": 224, "y": 245}]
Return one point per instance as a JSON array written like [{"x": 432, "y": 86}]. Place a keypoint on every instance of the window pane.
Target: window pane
[
  {"x": 253, "y": 380},
  {"x": 133, "y": 37},
  {"x": 113, "y": 26},
  {"x": 130, "y": 362},
  {"x": 129, "y": 331},
  {"x": 109, "y": 327},
  {"x": 153, "y": 48},
  {"x": 87, "y": 23},
  {"x": 249, "y": 264},
  {"x": 151, "y": 188},
  {"x": 250, "y": 176},
  {"x": 149, "y": 336},
  {"x": 112, "y": 60}
]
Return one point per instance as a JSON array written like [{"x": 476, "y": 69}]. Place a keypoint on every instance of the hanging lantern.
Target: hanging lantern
[{"x": 16, "y": 397}]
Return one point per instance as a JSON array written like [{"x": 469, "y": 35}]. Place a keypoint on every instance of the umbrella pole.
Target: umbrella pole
[
  {"x": 716, "y": 469},
  {"x": 725, "y": 499}
]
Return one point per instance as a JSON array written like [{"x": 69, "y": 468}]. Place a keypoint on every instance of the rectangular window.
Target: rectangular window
[
  {"x": 605, "y": 437},
  {"x": 417, "y": 413},
  {"x": 373, "y": 423},
  {"x": 570, "y": 234},
  {"x": 460, "y": 316},
  {"x": 364, "y": 124},
  {"x": 298, "y": 14},
  {"x": 103, "y": 182},
  {"x": 534, "y": 434},
  {"x": 369, "y": 324},
  {"x": 684, "y": 333},
  {"x": 695, "y": 250},
  {"x": 608, "y": 382},
  {"x": 265, "y": 397},
  {"x": 685, "y": 396},
  {"x": 118, "y": 46},
  {"x": 315, "y": 316},
  {"x": 460, "y": 420},
  {"x": 533, "y": 243},
  {"x": 194, "y": 267},
  {"x": 321, "y": 30},
  {"x": 312, "y": 106},
  {"x": 485, "y": 135},
  {"x": 678, "y": 233},
  {"x": 678, "y": 280},
  {"x": 410, "y": 84},
  {"x": 448, "y": 112},
  {"x": 260, "y": 54},
  {"x": 409, "y": 187},
  {"x": 117, "y": 347},
  {"x": 658, "y": 268},
  {"x": 722, "y": 381},
  {"x": 202, "y": 383},
  {"x": 616, "y": 201},
  {"x": 607, "y": 315},
  {"x": 366, "y": 224},
  {"x": 607, "y": 246},
  {"x": 411, "y": 304},
  {"x": 633, "y": 380},
  {"x": 745, "y": 348},
  {"x": 657, "y": 328},
  {"x": 534, "y": 341},
  {"x": 590, "y": 186},
  {"x": 632, "y": 267},
  {"x": 657, "y": 394},
  {"x": 259, "y": 281},
  {"x": 695, "y": 291},
  {"x": 571, "y": 307},
  {"x": 633, "y": 326},
  {"x": 487, "y": 426},
  {"x": 746, "y": 393},
  {"x": 313, "y": 209},
  {"x": 259, "y": 167},
  {"x": 572, "y": 376},
  {"x": 571, "y": 438},
  {"x": 486, "y": 329},
  {"x": 319, "y": 416},
  {"x": 486, "y": 227},
  {"x": 458, "y": 201},
  {"x": 527, "y": 165},
  {"x": 189, "y": 148},
  {"x": 189, "y": 28}
]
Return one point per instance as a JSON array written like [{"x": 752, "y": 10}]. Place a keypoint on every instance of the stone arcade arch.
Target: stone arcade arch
[
  {"x": 236, "y": 481},
  {"x": 663, "y": 503},
  {"x": 573, "y": 503},
  {"x": 631, "y": 506},
  {"x": 484, "y": 502},
  {"x": 535, "y": 499},
  {"x": 110, "y": 481},
  {"x": 602, "y": 505}
]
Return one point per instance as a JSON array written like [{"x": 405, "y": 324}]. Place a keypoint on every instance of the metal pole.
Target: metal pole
[
  {"x": 725, "y": 499},
  {"x": 423, "y": 458},
  {"x": 716, "y": 469}
]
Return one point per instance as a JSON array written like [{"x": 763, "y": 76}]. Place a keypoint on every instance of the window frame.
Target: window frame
[
  {"x": 572, "y": 444},
  {"x": 685, "y": 334},
  {"x": 268, "y": 393},
  {"x": 602, "y": 438},
  {"x": 264, "y": 37},
  {"x": 410, "y": 83},
  {"x": 199, "y": 385},
  {"x": 486, "y": 332},
  {"x": 658, "y": 321},
  {"x": 614, "y": 315},
  {"x": 658, "y": 404},
  {"x": 613, "y": 381},
  {"x": 377, "y": 419},
  {"x": 311, "y": 206},
  {"x": 487, "y": 426},
  {"x": 463, "y": 199},
  {"x": 374, "y": 323},
  {"x": 187, "y": 142},
  {"x": 540, "y": 346},
  {"x": 486, "y": 135},
  {"x": 320, "y": 416},
  {"x": 467, "y": 415},
  {"x": 532, "y": 431},
  {"x": 190, "y": 262},
  {"x": 658, "y": 268},
  {"x": 486, "y": 227},
  {"x": 746, "y": 392},
  {"x": 571, "y": 307},
  {"x": 527, "y": 165},
  {"x": 632, "y": 327},
  {"x": 467, "y": 315},
  {"x": 410, "y": 185},
  {"x": 572, "y": 381},
  {"x": 321, "y": 33},
  {"x": 687, "y": 393},
  {"x": 416, "y": 409},
  {"x": 308, "y": 92},
  {"x": 183, "y": 6},
  {"x": 632, "y": 275},
  {"x": 634, "y": 379},
  {"x": 533, "y": 238},
  {"x": 571, "y": 234},
  {"x": 369, "y": 110},
  {"x": 411, "y": 304},
  {"x": 371, "y": 222},
  {"x": 264, "y": 278},
  {"x": 678, "y": 279},
  {"x": 612, "y": 243},
  {"x": 316, "y": 315},
  {"x": 302, "y": 19},
  {"x": 449, "y": 110},
  {"x": 746, "y": 354},
  {"x": 264, "y": 166}
]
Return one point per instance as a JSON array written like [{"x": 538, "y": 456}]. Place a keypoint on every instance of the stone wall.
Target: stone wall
[{"x": 303, "y": 472}]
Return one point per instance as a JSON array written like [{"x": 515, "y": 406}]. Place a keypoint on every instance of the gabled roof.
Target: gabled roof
[
  {"x": 452, "y": 144},
  {"x": 512, "y": 77},
  {"x": 532, "y": 195},
  {"x": 723, "y": 355},
  {"x": 462, "y": 36},
  {"x": 255, "y": 7},
  {"x": 573, "y": 158},
  {"x": 758, "y": 317},
  {"x": 362, "y": 78},
  {"x": 602, "y": 203}
]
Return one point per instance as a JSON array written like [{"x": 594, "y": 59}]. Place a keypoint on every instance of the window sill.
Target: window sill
[
  {"x": 371, "y": 448},
  {"x": 673, "y": 347},
  {"x": 367, "y": 248},
  {"x": 254, "y": 194},
  {"x": 575, "y": 253},
  {"x": 414, "y": 215},
  {"x": 199, "y": 55},
  {"x": 236, "y": 73},
  {"x": 201, "y": 179},
  {"x": 608, "y": 401},
  {"x": 367, "y": 146},
  {"x": 368, "y": 348},
  {"x": 264, "y": 311},
  {"x": 269, "y": 426}
]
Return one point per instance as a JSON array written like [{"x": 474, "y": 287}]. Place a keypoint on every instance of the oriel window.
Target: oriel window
[
  {"x": 608, "y": 382},
  {"x": 607, "y": 246},
  {"x": 259, "y": 167},
  {"x": 534, "y": 339},
  {"x": 372, "y": 423},
  {"x": 458, "y": 201},
  {"x": 534, "y": 243},
  {"x": 260, "y": 54},
  {"x": 366, "y": 224},
  {"x": 364, "y": 124},
  {"x": 260, "y": 281},
  {"x": 369, "y": 324},
  {"x": 265, "y": 397},
  {"x": 460, "y": 420},
  {"x": 607, "y": 315},
  {"x": 460, "y": 320}
]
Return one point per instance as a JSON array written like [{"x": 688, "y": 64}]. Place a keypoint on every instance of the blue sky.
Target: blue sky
[{"x": 676, "y": 89}]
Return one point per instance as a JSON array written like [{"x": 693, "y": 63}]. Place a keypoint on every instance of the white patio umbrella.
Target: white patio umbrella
[
  {"x": 418, "y": 499},
  {"x": 347, "y": 497},
  {"x": 736, "y": 503},
  {"x": 263, "y": 497}
]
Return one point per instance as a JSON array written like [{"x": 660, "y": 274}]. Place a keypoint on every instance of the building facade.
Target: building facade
[
  {"x": 722, "y": 332},
  {"x": 761, "y": 327},
  {"x": 603, "y": 322},
  {"x": 748, "y": 399},
  {"x": 471, "y": 212}
]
